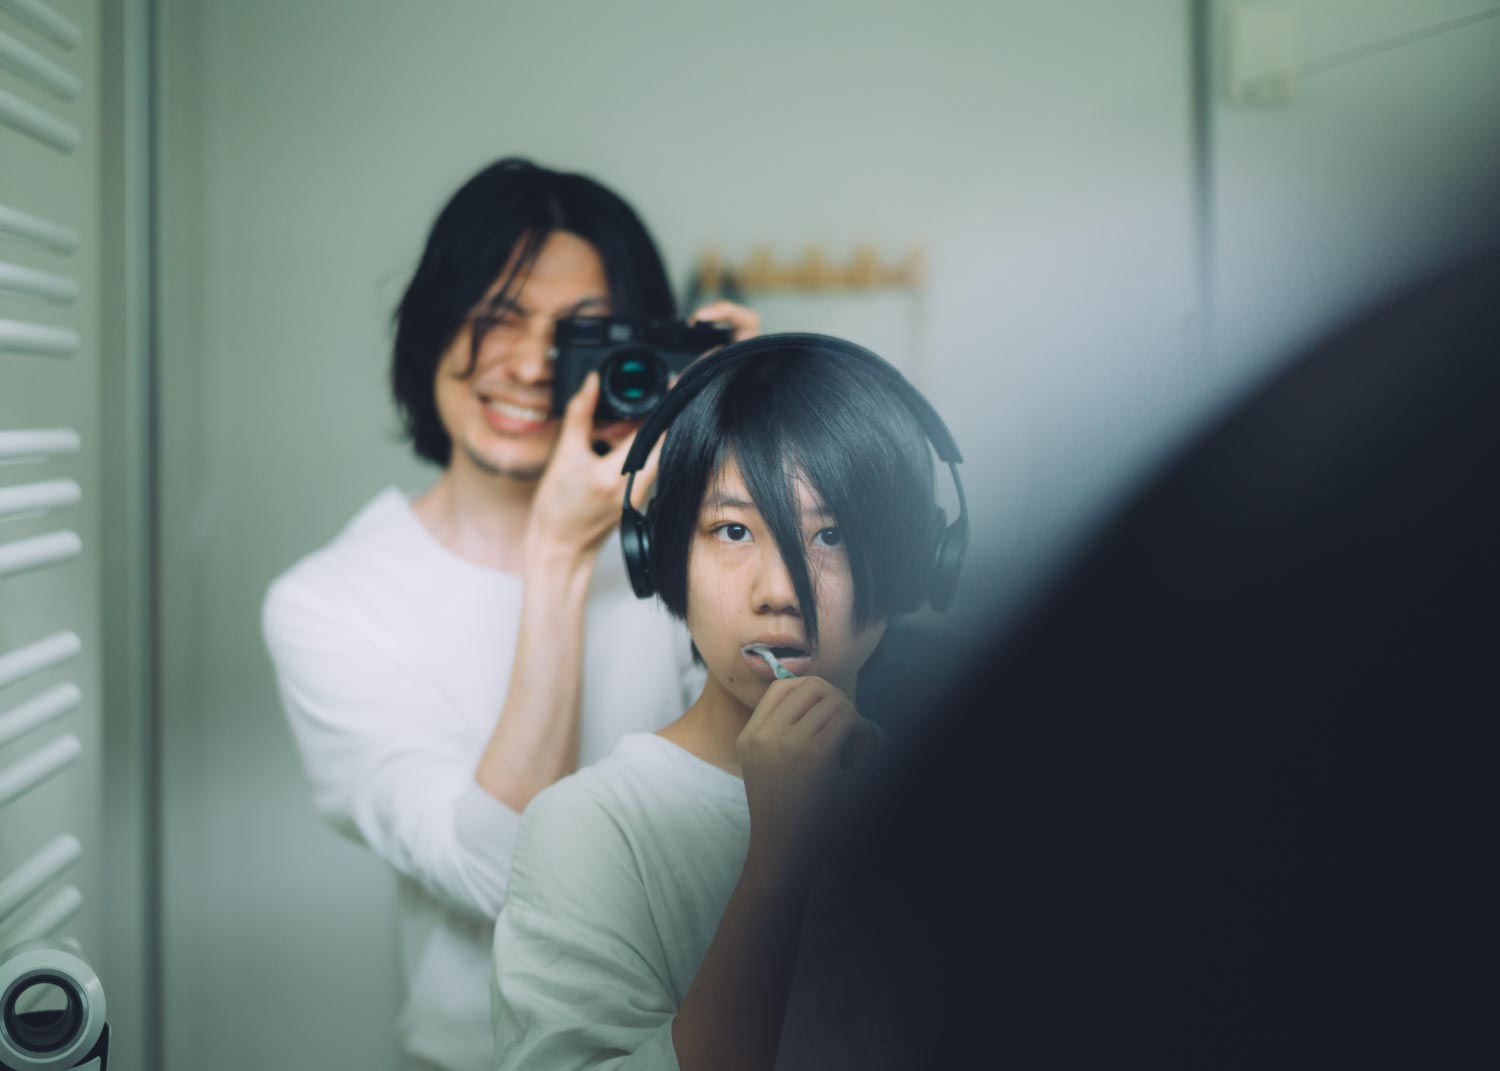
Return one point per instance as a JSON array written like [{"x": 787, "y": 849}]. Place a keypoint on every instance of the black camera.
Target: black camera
[{"x": 636, "y": 360}]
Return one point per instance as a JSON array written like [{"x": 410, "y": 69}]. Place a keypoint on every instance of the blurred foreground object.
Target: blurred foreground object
[{"x": 1228, "y": 799}]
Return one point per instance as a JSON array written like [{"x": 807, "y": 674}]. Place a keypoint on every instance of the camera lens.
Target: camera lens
[
  {"x": 633, "y": 380},
  {"x": 43, "y": 1013}
]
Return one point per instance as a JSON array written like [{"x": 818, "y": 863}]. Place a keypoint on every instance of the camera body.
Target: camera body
[
  {"x": 636, "y": 360},
  {"x": 51, "y": 1010}
]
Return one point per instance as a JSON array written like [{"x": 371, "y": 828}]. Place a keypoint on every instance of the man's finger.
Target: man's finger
[
  {"x": 712, "y": 311},
  {"x": 578, "y": 417},
  {"x": 721, "y": 310},
  {"x": 612, "y": 435},
  {"x": 745, "y": 322}
]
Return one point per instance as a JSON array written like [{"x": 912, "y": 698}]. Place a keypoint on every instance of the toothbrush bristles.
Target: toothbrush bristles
[{"x": 781, "y": 672}]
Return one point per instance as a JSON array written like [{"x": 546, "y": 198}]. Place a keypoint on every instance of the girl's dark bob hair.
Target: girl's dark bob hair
[
  {"x": 804, "y": 412},
  {"x": 498, "y": 222}
]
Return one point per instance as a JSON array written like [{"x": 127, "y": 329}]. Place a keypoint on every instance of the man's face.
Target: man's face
[
  {"x": 499, "y": 417},
  {"x": 740, "y": 593}
]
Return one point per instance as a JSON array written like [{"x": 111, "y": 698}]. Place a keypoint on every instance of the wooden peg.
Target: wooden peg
[
  {"x": 759, "y": 271},
  {"x": 915, "y": 269},
  {"x": 711, "y": 271},
  {"x": 815, "y": 272},
  {"x": 864, "y": 269}
]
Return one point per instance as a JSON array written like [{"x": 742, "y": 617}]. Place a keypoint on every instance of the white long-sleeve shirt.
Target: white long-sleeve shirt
[{"x": 393, "y": 656}]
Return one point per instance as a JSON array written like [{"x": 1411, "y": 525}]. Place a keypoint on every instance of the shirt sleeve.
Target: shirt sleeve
[
  {"x": 384, "y": 770},
  {"x": 580, "y": 980}
]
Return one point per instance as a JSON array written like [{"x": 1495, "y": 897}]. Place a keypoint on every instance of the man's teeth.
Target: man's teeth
[{"x": 519, "y": 412}]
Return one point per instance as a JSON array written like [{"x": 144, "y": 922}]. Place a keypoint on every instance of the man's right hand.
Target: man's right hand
[{"x": 579, "y": 497}]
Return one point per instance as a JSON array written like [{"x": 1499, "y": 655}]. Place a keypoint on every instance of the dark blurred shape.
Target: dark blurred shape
[{"x": 1228, "y": 800}]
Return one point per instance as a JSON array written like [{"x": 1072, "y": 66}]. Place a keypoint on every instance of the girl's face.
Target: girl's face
[{"x": 740, "y": 593}]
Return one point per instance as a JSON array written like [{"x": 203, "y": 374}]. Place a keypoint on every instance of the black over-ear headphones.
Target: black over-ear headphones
[{"x": 635, "y": 530}]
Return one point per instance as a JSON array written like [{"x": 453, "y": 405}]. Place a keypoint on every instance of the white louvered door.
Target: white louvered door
[{"x": 51, "y": 767}]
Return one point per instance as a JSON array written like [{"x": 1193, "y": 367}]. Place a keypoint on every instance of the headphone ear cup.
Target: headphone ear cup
[
  {"x": 635, "y": 541},
  {"x": 947, "y": 561}
]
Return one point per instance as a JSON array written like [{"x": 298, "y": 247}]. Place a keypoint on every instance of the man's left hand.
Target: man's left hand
[{"x": 745, "y": 322}]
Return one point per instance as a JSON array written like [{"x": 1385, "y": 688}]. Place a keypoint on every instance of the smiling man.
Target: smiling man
[{"x": 446, "y": 658}]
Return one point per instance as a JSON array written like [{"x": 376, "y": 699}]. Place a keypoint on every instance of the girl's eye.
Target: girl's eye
[
  {"x": 828, "y": 537},
  {"x": 732, "y": 533}
]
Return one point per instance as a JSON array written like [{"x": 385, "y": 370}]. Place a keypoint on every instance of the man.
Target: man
[{"x": 445, "y": 659}]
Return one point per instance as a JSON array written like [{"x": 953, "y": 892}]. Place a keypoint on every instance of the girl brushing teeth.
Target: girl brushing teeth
[{"x": 657, "y": 897}]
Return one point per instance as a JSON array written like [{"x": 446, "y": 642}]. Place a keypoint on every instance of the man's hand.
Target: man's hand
[
  {"x": 579, "y": 497},
  {"x": 745, "y": 322},
  {"x": 799, "y": 752}
]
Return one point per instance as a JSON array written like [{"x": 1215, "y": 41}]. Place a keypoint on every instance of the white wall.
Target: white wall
[
  {"x": 1041, "y": 151},
  {"x": 1383, "y": 167},
  {"x": 1097, "y": 358}
]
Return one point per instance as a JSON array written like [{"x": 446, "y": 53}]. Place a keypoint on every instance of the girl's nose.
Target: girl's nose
[{"x": 773, "y": 591}]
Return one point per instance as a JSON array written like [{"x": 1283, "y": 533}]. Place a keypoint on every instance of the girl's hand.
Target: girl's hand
[{"x": 798, "y": 752}]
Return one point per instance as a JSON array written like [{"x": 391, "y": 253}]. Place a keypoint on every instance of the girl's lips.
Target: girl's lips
[{"x": 798, "y": 665}]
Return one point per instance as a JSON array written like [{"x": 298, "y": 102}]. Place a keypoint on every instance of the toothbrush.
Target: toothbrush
[{"x": 782, "y": 673}]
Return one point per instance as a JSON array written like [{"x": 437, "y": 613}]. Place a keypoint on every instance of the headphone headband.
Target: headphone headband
[
  {"x": 635, "y": 530},
  {"x": 701, "y": 372}
]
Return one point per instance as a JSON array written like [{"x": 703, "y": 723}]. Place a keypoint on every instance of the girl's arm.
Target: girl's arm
[
  {"x": 790, "y": 749},
  {"x": 582, "y": 982}
]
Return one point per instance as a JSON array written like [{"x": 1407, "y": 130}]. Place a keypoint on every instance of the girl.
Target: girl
[{"x": 657, "y": 897}]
